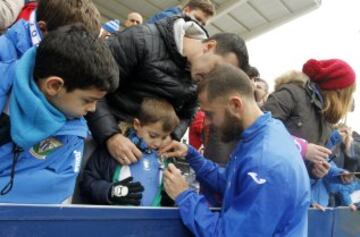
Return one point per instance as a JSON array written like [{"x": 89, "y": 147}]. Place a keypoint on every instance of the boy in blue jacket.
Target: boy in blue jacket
[
  {"x": 49, "y": 16},
  {"x": 42, "y": 126},
  {"x": 199, "y": 10},
  {"x": 107, "y": 182},
  {"x": 265, "y": 185}
]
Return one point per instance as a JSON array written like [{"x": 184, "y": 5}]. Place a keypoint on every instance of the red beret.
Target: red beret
[{"x": 330, "y": 74}]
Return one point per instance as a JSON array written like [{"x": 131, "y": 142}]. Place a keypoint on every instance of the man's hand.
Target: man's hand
[
  {"x": 346, "y": 134},
  {"x": 174, "y": 149},
  {"x": 346, "y": 177},
  {"x": 319, "y": 207},
  {"x": 126, "y": 192},
  {"x": 320, "y": 169},
  {"x": 123, "y": 150},
  {"x": 316, "y": 153},
  {"x": 174, "y": 182},
  {"x": 353, "y": 207}
]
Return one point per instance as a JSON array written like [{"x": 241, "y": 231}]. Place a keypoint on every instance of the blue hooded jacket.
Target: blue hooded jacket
[
  {"x": 48, "y": 164},
  {"x": 15, "y": 41},
  {"x": 168, "y": 12},
  {"x": 13, "y": 44},
  {"x": 265, "y": 187},
  {"x": 320, "y": 187},
  {"x": 344, "y": 191}
]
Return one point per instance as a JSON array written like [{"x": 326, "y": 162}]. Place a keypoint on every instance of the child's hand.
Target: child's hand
[
  {"x": 174, "y": 149},
  {"x": 319, "y": 207},
  {"x": 126, "y": 192},
  {"x": 346, "y": 177},
  {"x": 174, "y": 182},
  {"x": 353, "y": 207}
]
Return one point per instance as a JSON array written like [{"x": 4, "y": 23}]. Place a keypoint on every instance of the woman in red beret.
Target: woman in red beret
[{"x": 311, "y": 101}]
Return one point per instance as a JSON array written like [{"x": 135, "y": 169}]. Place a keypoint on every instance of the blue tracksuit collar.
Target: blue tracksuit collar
[
  {"x": 256, "y": 126},
  {"x": 32, "y": 117}
]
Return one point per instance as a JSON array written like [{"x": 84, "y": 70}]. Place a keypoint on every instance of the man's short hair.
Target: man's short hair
[
  {"x": 153, "y": 110},
  {"x": 258, "y": 79},
  {"x": 224, "y": 80},
  {"x": 58, "y": 13},
  {"x": 253, "y": 72},
  {"x": 80, "y": 58},
  {"x": 204, "y": 5},
  {"x": 232, "y": 43}
]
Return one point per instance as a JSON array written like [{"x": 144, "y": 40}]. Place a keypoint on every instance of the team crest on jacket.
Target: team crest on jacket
[{"x": 43, "y": 149}]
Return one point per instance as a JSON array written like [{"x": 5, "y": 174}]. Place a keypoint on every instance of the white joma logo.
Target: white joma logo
[{"x": 254, "y": 176}]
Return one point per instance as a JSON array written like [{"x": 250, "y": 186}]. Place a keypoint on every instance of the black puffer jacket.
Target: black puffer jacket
[
  {"x": 150, "y": 66},
  {"x": 298, "y": 105}
]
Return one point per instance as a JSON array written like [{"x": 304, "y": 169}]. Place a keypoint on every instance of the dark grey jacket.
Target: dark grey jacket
[{"x": 299, "y": 108}]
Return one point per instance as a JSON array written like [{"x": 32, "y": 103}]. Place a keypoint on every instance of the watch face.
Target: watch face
[{"x": 121, "y": 191}]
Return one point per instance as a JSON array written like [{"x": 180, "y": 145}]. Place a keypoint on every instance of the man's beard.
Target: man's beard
[{"x": 231, "y": 128}]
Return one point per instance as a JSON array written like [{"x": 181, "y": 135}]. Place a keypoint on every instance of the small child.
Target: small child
[
  {"x": 321, "y": 188},
  {"x": 107, "y": 182},
  {"x": 345, "y": 193}
]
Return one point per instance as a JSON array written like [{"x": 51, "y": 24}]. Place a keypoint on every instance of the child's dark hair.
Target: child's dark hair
[
  {"x": 154, "y": 110},
  {"x": 80, "y": 58},
  {"x": 56, "y": 13}
]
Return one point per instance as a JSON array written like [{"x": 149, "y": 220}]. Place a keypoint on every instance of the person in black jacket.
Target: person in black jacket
[{"x": 154, "y": 61}]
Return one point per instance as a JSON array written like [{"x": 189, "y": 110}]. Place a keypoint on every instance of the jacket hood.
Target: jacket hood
[
  {"x": 32, "y": 117},
  {"x": 291, "y": 77}
]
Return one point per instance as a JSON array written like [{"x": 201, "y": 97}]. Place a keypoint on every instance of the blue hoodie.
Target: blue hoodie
[
  {"x": 13, "y": 44},
  {"x": 265, "y": 187},
  {"x": 15, "y": 41},
  {"x": 168, "y": 12},
  {"x": 47, "y": 167},
  {"x": 320, "y": 187}
]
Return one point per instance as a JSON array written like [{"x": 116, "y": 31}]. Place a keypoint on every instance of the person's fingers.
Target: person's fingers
[
  {"x": 168, "y": 175},
  {"x": 125, "y": 160},
  {"x": 127, "y": 180},
  {"x": 137, "y": 153},
  {"x": 324, "y": 150},
  {"x": 325, "y": 165},
  {"x": 130, "y": 156},
  {"x": 322, "y": 155},
  {"x": 172, "y": 168},
  {"x": 318, "y": 159},
  {"x": 167, "y": 148},
  {"x": 316, "y": 172},
  {"x": 173, "y": 154},
  {"x": 119, "y": 159},
  {"x": 320, "y": 207},
  {"x": 321, "y": 169}
]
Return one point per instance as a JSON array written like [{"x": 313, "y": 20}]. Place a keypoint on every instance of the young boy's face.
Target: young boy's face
[
  {"x": 74, "y": 104},
  {"x": 152, "y": 134},
  {"x": 77, "y": 103}
]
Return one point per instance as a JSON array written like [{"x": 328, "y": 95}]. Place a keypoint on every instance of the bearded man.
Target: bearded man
[{"x": 265, "y": 185}]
